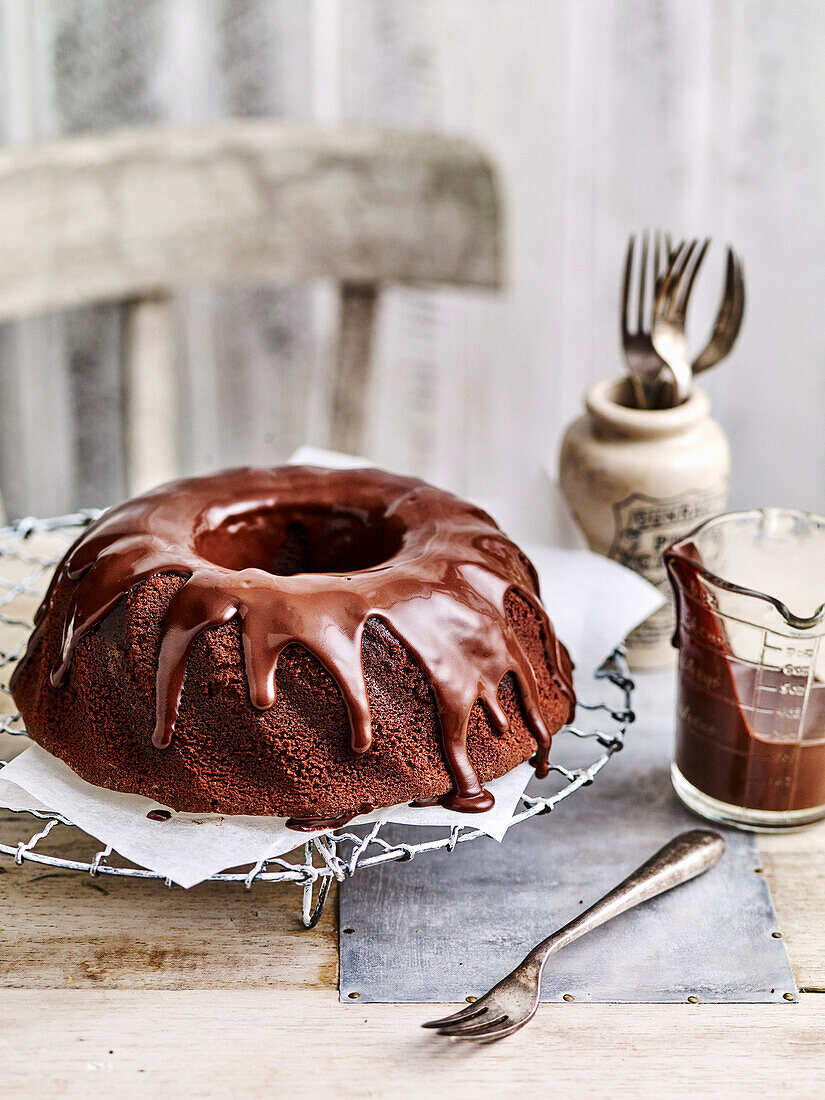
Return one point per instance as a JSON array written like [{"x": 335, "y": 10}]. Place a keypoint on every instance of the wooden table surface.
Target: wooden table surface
[
  {"x": 126, "y": 987},
  {"x": 122, "y": 987}
]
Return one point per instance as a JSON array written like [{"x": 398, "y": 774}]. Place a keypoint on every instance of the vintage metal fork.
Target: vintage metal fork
[
  {"x": 513, "y": 1002},
  {"x": 728, "y": 319},
  {"x": 669, "y": 318},
  {"x": 644, "y": 363}
]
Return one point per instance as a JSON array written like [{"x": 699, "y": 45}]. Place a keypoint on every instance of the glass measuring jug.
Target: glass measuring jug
[{"x": 750, "y": 603}]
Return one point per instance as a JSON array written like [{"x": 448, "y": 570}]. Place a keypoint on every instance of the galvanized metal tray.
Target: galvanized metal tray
[{"x": 447, "y": 928}]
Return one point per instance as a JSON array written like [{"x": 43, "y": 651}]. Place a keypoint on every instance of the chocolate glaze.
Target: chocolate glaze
[
  {"x": 326, "y": 821},
  {"x": 718, "y": 749},
  {"x": 159, "y": 815},
  {"x": 433, "y": 568}
]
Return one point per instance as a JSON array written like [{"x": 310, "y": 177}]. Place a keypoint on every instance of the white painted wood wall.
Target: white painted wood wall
[{"x": 604, "y": 115}]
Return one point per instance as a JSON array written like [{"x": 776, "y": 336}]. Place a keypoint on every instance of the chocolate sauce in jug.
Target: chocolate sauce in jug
[{"x": 747, "y": 735}]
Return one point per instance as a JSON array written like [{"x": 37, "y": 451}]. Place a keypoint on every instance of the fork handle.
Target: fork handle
[{"x": 685, "y": 857}]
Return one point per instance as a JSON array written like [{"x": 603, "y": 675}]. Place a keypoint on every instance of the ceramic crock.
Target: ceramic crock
[{"x": 636, "y": 480}]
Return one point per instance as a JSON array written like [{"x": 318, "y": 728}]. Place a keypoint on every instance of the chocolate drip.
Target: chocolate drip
[{"x": 433, "y": 568}]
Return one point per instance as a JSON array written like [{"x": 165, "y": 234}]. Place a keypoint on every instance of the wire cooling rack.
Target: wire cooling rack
[{"x": 29, "y": 551}]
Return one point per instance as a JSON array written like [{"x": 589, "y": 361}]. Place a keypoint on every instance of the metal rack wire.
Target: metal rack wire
[{"x": 26, "y": 563}]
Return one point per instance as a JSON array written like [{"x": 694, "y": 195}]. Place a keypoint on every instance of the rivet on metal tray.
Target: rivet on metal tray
[
  {"x": 777, "y": 935},
  {"x": 471, "y": 1000},
  {"x": 568, "y": 997},
  {"x": 693, "y": 1000},
  {"x": 789, "y": 996},
  {"x": 353, "y": 996}
]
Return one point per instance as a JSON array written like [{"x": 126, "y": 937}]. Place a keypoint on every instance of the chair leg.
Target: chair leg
[
  {"x": 151, "y": 393},
  {"x": 352, "y": 375}
]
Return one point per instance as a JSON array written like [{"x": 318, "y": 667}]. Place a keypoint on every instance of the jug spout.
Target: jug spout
[
  {"x": 683, "y": 562},
  {"x": 767, "y": 564}
]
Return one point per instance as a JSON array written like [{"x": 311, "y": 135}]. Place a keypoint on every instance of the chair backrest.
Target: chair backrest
[{"x": 138, "y": 215}]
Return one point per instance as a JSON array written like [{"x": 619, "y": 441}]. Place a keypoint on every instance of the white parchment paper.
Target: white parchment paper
[{"x": 593, "y": 604}]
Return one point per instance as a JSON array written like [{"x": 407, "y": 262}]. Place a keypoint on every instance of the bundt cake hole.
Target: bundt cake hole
[{"x": 310, "y": 539}]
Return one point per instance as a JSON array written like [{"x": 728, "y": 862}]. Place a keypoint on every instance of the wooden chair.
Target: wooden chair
[{"x": 136, "y": 216}]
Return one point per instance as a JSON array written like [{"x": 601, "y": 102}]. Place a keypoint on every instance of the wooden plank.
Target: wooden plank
[
  {"x": 254, "y": 361},
  {"x": 60, "y": 923},
  {"x": 72, "y": 67},
  {"x": 795, "y": 866},
  {"x": 506, "y": 359},
  {"x": 37, "y": 466},
  {"x": 301, "y": 1043},
  {"x": 600, "y": 125},
  {"x": 388, "y": 71},
  {"x": 88, "y": 365},
  {"x": 36, "y": 441},
  {"x": 33, "y": 913},
  {"x": 764, "y": 176},
  {"x": 93, "y": 69},
  {"x": 64, "y": 928},
  {"x": 135, "y": 212},
  {"x": 257, "y": 385}
]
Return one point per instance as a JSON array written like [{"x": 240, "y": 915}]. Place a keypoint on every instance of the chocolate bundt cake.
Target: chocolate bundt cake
[{"x": 300, "y": 642}]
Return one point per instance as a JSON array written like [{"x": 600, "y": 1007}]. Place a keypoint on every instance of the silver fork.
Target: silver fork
[
  {"x": 728, "y": 319},
  {"x": 644, "y": 363},
  {"x": 513, "y": 1002},
  {"x": 669, "y": 319}
]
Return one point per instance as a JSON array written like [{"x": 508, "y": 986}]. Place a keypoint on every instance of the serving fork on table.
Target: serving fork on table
[{"x": 513, "y": 1002}]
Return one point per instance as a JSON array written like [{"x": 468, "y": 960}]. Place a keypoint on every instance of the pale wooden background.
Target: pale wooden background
[{"x": 603, "y": 115}]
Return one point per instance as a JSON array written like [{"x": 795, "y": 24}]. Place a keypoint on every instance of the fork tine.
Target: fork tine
[
  {"x": 729, "y": 293},
  {"x": 683, "y": 259},
  {"x": 667, "y": 281},
  {"x": 728, "y": 318},
  {"x": 662, "y": 259},
  {"x": 666, "y": 300},
  {"x": 474, "y": 1029},
  {"x": 500, "y": 1032},
  {"x": 738, "y": 299},
  {"x": 730, "y": 270},
  {"x": 689, "y": 276},
  {"x": 642, "y": 282},
  {"x": 740, "y": 289},
  {"x": 628, "y": 268},
  {"x": 737, "y": 263},
  {"x": 467, "y": 1013},
  {"x": 739, "y": 282},
  {"x": 673, "y": 250}
]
